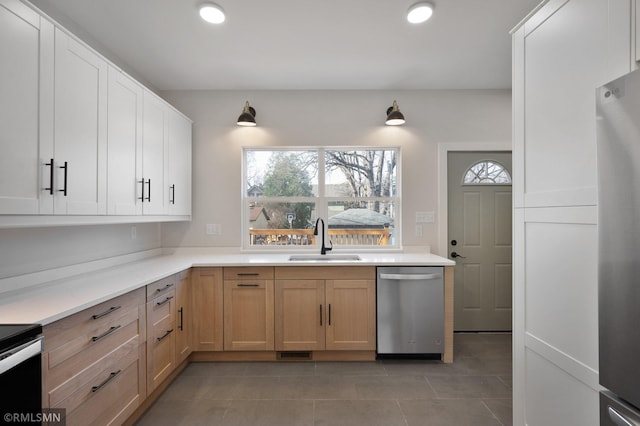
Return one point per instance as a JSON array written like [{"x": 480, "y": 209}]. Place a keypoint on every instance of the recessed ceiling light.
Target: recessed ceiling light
[
  {"x": 212, "y": 13},
  {"x": 419, "y": 12}
]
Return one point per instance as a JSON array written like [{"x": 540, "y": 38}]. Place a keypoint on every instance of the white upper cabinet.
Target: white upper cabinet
[
  {"x": 179, "y": 180},
  {"x": 80, "y": 129},
  {"x": 26, "y": 77},
  {"x": 155, "y": 127},
  {"x": 124, "y": 146}
]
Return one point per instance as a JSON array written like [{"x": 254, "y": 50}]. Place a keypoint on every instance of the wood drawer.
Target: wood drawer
[
  {"x": 78, "y": 329},
  {"x": 161, "y": 287},
  {"x": 248, "y": 273},
  {"x": 114, "y": 402},
  {"x": 325, "y": 272},
  {"x": 161, "y": 307}
]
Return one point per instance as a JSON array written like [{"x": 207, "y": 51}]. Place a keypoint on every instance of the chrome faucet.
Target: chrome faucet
[{"x": 323, "y": 249}]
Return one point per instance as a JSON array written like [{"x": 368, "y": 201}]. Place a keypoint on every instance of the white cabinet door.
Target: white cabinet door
[
  {"x": 80, "y": 128},
  {"x": 179, "y": 181},
  {"x": 154, "y": 158},
  {"x": 26, "y": 49},
  {"x": 124, "y": 146}
]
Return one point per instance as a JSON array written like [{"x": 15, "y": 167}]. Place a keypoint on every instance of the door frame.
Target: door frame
[{"x": 443, "y": 200}]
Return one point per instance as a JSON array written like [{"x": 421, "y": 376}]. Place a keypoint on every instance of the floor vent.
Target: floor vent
[{"x": 294, "y": 356}]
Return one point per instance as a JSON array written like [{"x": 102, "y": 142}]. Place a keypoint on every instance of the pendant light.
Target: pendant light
[
  {"x": 248, "y": 116},
  {"x": 394, "y": 116}
]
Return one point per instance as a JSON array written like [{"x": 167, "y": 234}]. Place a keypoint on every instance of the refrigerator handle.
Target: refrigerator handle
[
  {"x": 410, "y": 276},
  {"x": 617, "y": 418}
]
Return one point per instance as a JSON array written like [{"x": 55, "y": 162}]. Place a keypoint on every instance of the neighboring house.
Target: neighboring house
[
  {"x": 255, "y": 191},
  {"x": 258, "y": 217}
]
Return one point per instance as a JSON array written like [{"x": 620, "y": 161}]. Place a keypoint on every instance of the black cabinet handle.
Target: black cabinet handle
[
  {"x": 161, "y": 338},
  {"x": 329, "y": 313},
  {"x": 172, "y": 200},
  {"x": 149, "y": 193},
  {"x": 248, "y": 285},
  {"x": 107, "y": 380},
  {"x": 321, "y": 314},
  {"x": 164, "y": 288},
  {"x": 50, "y": 188},
  {"x": 164, "y": 301},
  {"x": 105, "y": 313},
  {"x": 66, "y": 170},
  {"x": 106, "y": 333},
  {"x": 247, "y": 274},
  {"x": 181, "y": 327}
]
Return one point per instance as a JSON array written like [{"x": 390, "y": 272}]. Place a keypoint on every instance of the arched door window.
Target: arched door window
[{"x": 487, "y": 172}]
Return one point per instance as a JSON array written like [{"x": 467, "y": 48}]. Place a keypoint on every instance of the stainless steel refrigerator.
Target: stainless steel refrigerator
[{"x": 618, "y": 145}]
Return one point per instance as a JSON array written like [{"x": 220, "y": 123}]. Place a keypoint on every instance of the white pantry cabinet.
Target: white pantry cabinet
[
  {"x": 124, "y": 146},
  {"x": 80, "y": 129},
  {"x": 155, "y": 127},
  {"x": 26, "y": 93},
  {"x": 179, "y": 172}
]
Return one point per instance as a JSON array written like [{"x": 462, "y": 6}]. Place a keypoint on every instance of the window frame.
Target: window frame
[
  {"x": 321, "y": 200},
  {"x": 485, "y": 161}
]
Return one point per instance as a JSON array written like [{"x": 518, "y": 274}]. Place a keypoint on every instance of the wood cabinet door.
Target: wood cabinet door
[
  {"x": 248, "y": 315},
  {"x": 80, "y": 129},
  {"x": 206, "y": 293},
  {"x": 26, "y": 46},
  {"x": 351, "y": 315},
  {"x": 184, "y": 314},
  {"x": 161, "y": 343},
  {"x": 300, "y": 315}
]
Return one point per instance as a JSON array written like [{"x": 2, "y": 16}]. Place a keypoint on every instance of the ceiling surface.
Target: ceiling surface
[{"x": 302, "y": 44}]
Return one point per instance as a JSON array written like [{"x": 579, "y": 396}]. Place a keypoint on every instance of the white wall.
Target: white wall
[
  {"x": 327, "y": 118},
  {"x": 26, "y": 250}
]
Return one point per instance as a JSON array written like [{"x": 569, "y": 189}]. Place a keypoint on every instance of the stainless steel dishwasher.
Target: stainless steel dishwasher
[{"x": 410, "y": 301}]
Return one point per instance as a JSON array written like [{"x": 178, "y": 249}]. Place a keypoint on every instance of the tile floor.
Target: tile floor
[{"x": 474, "y": 390}]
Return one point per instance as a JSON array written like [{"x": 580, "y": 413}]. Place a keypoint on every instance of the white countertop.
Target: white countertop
[{"x": 50, "y": 301}]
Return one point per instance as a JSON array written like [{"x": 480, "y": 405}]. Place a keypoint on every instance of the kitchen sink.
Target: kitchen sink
[{"x": 323, "y": 257}]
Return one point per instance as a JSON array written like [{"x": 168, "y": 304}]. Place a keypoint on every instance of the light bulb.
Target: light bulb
[{"x": 419, "y": 12}]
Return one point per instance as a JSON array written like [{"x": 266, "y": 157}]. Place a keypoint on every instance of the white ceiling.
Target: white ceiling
[{"x": 303, "y": 44}]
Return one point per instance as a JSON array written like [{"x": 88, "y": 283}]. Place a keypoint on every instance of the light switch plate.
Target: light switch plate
[
  {"x": 425, "y": 217},
  {"x": 214, "y": 229}
]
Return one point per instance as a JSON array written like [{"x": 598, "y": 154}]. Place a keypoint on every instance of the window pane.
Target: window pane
[
  {"x": 487, "y": 172},
  {"x": 370, "y": 223},
  {"x": 363, "y": 173},
  {"x": 281, "y": 173},
  {"x": 281, "y": 223}
]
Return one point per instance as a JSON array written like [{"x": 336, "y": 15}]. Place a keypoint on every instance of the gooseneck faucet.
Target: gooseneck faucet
[{"x": 323, "y": 249}]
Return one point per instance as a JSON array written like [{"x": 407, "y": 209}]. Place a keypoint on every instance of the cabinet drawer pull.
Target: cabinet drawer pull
[
  {"x": 107, "y": 380},
  {"x": 181, "y": 327},
  {"x": 105, "y": 313},
  {"x": 164, "y": 301},
  {"x": 149, "y": 193},
  {"x": 329, "y": 313},
  {"x": 164, "y": 288},
  {"x": 106, "y": 333},
  {"x": 172, "y": 200},
  {"x": 66, "y": 169},
  {"x": 247, "y": 274},
  {"x": 161, "y": 338},
  {"x": 321, "y": 314},
  {"x": 50, "y": 188},
  {"x": 248, "y": 285}
]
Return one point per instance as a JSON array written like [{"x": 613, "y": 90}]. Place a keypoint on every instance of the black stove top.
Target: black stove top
[{"x": 13, "y": 334}]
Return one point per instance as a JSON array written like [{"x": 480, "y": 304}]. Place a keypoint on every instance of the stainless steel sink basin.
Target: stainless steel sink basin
[{"x": 324, "y": 258}]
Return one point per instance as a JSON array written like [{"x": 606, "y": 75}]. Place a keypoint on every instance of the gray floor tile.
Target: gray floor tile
[
  {"x": 350, "y": 368},
  {"x": 215, "y": 369},
  {"x": 187, "y": 413},
  {"x": 358, "y": 413},
  {"x": 393, "y": 387},
  {"x": 420, "y": 368},
  {"x": 469, "y": 387},
  {"x": 502, "y": 409},
  {"x": 281, "y": 369},
  {"x": 269, "y": 413},
  {"x": 321, "y": 387},
  {"x": 265, "y": 388},
  {"x": 448, "y": 412}
]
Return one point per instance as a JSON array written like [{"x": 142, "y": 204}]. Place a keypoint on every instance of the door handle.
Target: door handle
[{"x": 455, "y": 255}]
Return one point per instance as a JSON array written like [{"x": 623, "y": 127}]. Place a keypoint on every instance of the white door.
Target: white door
[
  {"x": 26, "y": 73},
  {"x": 124, "y": 146},
  {"x": 154, "y": 159},
  {"x": 179, "y": 182},
  {"x": 479, "y": 218},
  {"x": 80, "y": 128}
]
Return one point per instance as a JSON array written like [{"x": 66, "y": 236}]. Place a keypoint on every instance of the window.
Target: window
[
  {"x": 486, "y": 172},
  {"x": 355, "y": 191}
]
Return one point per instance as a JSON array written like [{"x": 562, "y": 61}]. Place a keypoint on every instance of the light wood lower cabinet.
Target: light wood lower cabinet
[
  {"x": 161, "y": 339},
  {"x": 206, "y": 291},
  {"x": 248, "y": 309},
  {"x": 334, "y": 311},
  {"x": 94, "y": 362},
  {"x": 184, "y": 315}
]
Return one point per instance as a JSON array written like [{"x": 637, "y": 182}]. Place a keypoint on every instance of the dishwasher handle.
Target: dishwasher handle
[{"x": 410, "y": 276}]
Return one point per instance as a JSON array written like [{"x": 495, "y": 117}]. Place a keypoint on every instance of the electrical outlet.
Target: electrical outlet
[
  {"x": 418, "y": 230},
  {"x": 214, "y": 229}
]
